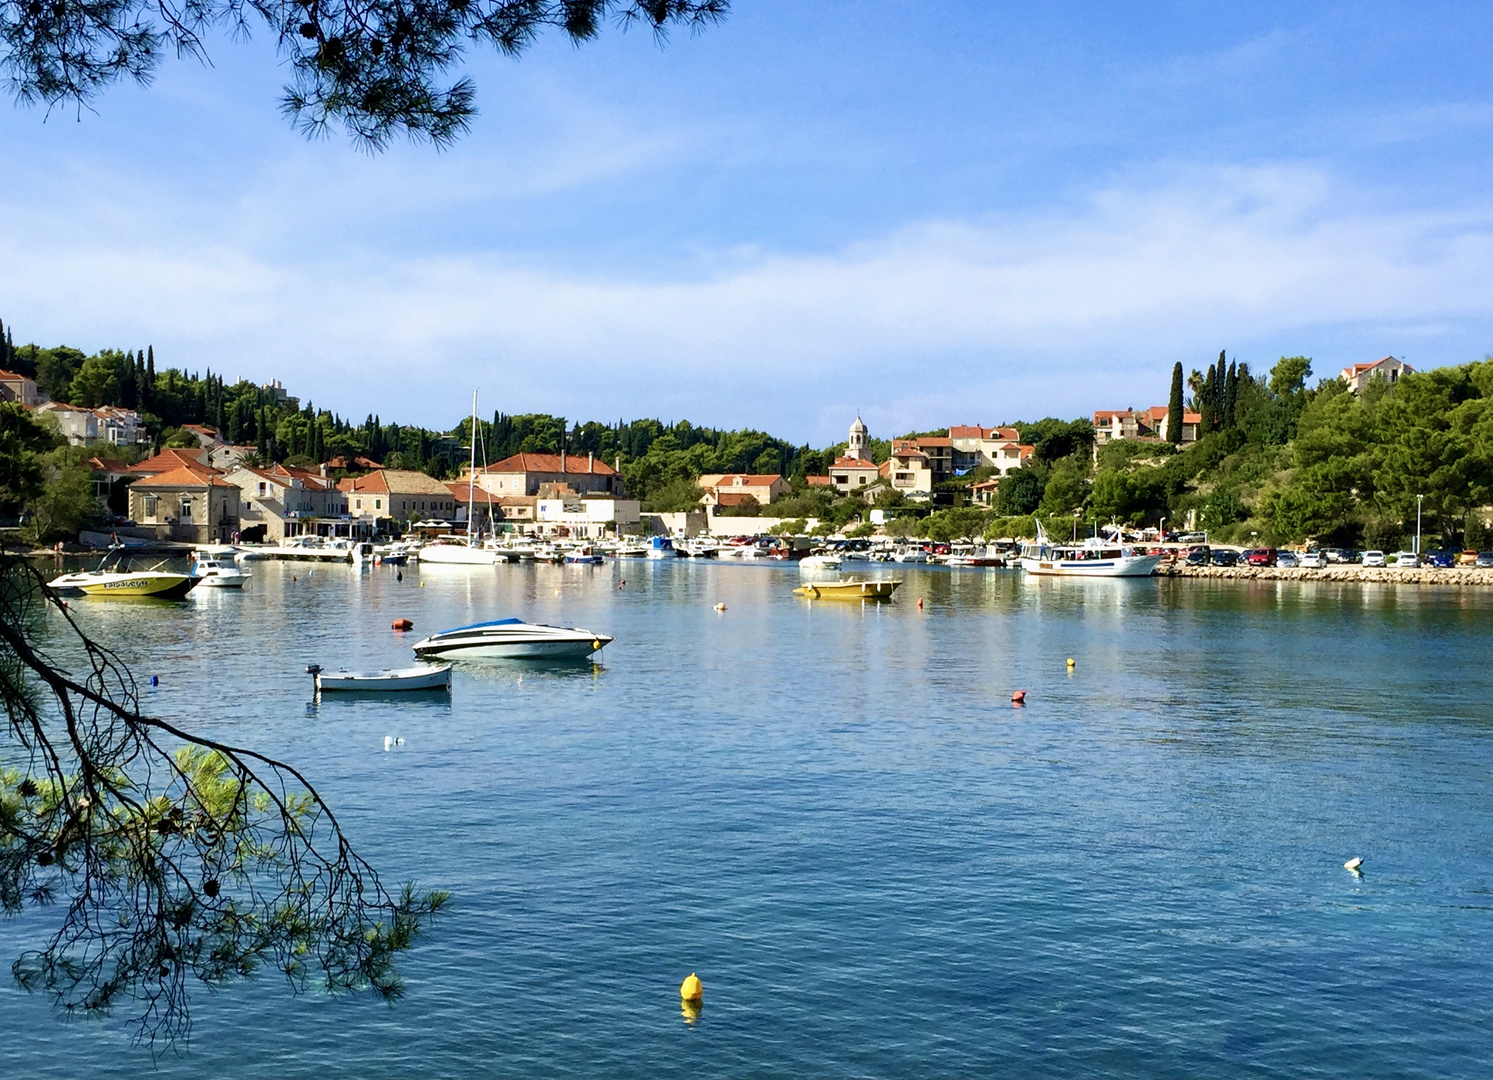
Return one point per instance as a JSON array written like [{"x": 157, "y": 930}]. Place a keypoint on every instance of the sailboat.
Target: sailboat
[{"x": 469, "y": 553}]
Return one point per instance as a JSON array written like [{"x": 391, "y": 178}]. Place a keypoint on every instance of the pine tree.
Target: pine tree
[{"x": 1174, "y": 407}]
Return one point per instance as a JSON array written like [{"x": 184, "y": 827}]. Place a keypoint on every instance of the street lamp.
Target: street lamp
[
  {"x": 1161, "y": 530},
  {"x": 1076, "y": 513},
  {"x": 1418, "y": 500}
]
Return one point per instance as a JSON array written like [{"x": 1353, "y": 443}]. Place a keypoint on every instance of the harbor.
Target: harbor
[{"x": 829, "y": 806}]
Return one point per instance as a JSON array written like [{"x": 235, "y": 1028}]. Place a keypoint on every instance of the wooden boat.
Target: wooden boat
[
  {"x": 424, "y": 677},
  {"x": 852, "y": 589}
]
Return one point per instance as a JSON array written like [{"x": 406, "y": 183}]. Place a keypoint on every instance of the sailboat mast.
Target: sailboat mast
[{"x": 472, "y": 473}]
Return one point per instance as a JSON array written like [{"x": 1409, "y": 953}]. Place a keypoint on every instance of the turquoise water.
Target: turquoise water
[{"x": 836, "y": 817}]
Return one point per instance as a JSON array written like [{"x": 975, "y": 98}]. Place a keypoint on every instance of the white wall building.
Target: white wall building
[{"x": 585, "y": 518}]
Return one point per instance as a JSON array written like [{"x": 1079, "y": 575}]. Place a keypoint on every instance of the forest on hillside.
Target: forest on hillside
[{"x": 1277, "y": 461}]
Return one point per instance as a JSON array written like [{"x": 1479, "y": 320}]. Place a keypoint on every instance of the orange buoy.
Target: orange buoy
[
  {"x": 1018, "y": 697},
  {"x": 920, "y": 603},
  {"x": 401, "y": 624}
]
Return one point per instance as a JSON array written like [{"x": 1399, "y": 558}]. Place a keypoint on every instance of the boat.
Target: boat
[
  {"x": 660, "y": 547},
  {"x": 699, "y": 548},
  {"x": 114, "y": 581},
  {"x": 850, "y": 589},
  {"x": 974, "y": 555},
  {"x": 586, "y": 555},
  {"x": 910, "y": 555},
  {"x": 423, "y": 677},
  {"x": 819, "y": 562},
  {"x": 549, "y": 553},
  {"x": 511, "y": 639},
  {"x": 631, "y": 549},
  {"x": 453, "y": 550},
  {"x": 1092, "y": 557},
  {"x": 215, "y": 573}
]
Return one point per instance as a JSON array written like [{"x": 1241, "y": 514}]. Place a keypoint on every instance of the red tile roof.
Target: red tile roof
[
  {"x": 733, "y": 498},
  {"x": 550, "y": 463},
  {"x": 103, "y": 464},
  {"x": 853, "y": 463},
  {"x": 374, "y": 482},
  {"x": 817, "y": 481},
  {"x": 184, "y": 477},
  {"x": 173, "y": 458}
]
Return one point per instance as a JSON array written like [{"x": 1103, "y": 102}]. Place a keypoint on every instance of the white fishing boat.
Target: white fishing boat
[
  {"x": 630, "y": 549},
  {"x": 1091, "y": 557},
  {"x": 511, "y": 639},
  {"x": 422, "y": 677},
  {"x": 974, "y": 555},
  {"x": 585, "y": 555},
  {"x": 212, "y": 572},
  {"x": 698, "y": 548},
  {"x": 660, "y": 547},
  {"x": 910, "y": 555}
]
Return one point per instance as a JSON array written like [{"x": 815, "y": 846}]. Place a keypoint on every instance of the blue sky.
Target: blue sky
[{"x": 934, "y": 213}]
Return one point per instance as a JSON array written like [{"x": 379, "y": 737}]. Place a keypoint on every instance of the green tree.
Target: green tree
[
  {"x": 1019, "y": 493},
  {"x": 23, "y": 441},
  {"x": 66, "y": 502},
  {"x": 1175, "y": 407},
  {"x": 97, "y": 381},
  {"x": 1065, "y": 491}
]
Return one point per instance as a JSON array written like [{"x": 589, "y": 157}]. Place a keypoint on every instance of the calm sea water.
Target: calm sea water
[{"x": 834, "y": 815}]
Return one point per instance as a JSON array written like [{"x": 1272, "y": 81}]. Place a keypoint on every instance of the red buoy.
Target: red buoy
[
  {"x": 401, "y": 624},
  {"x": 1018, "y": 697}
]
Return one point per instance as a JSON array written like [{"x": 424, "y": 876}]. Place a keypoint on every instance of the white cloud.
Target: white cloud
[{"x": 1053, "y": 311}]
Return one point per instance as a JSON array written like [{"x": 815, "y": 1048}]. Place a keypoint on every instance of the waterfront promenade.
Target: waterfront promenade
[{"x": 1469, "y": 576}]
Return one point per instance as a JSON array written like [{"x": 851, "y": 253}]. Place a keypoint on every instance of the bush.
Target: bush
[
  {"x": 795, "y": 527},
  {"x": 1384, "y": 535}
]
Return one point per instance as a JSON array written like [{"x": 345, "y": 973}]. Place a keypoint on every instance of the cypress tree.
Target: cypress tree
[
  {"x": 1231, "y": 397},
  {"x": 1205, "y": 405},
  {"x": 1174, "y": 407}
]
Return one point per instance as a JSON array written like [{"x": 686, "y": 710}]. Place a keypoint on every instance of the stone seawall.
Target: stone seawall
[{"x": 1457, "y": 575}]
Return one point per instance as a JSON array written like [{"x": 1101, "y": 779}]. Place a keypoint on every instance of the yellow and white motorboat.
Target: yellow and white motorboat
[
  {"x": 115, "y": 581},
  {"x": 849, "y": 589}
]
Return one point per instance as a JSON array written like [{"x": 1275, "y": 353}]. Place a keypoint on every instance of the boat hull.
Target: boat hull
[
  {"x": 455, "y": 555},
  {"x": 511, "y": 640},
  {"x": 848, "y": 590},
  {"x": 1131, "y": 566},
  {"x": 400, "y": 680},
  {"x": 161, "y": 586}
]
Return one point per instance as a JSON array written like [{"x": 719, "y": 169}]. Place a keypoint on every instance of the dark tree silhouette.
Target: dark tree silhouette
[
  {"x": 376, "y": 68},
  {"x": 1174, "y": 407},
  {"x": 170, "y": 859}
]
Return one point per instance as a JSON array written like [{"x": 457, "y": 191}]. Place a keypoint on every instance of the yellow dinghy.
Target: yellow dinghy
[{"x": 853, "y": 589}]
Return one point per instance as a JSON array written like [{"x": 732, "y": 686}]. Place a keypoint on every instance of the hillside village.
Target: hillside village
[{"x": 308, "y": 473}]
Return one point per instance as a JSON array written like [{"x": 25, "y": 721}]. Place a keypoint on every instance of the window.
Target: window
[
  {"x": 186, "y": 508},
  {"x": 863, "y": 479},
  {"x": 148, "y": 505},
  {"x": 378, "y": 504},
  {"x": 359, "y": 503},
  {"x": 842, "y": 479},
  {"x": 262, "y": 487}
]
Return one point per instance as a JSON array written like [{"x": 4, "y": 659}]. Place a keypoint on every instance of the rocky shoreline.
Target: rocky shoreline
[{"x": 1457, "y": 575}]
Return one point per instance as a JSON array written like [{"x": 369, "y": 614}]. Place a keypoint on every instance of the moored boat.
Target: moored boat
[
  {"x": 819, "y": 562},
  {"x": 115, "y": 582},
  {"x": 511, "y": 639},
  {"x": 215, "y": 573},
  {"x": 422, "y": 677},
  {"x": 1093, "y": 557},
  {"x": 851, "y": 589}
]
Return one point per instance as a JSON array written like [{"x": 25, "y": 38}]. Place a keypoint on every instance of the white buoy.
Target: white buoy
[
  {"x": 1353, "y": 864},
  {"x": 388, "y": 742},
  {"x": 399, "y": 741}
]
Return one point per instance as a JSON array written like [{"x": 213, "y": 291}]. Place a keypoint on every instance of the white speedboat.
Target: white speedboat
[
  {"x": 511, "y": 639},
  {"x": 215, "y": 573},
  {"x": 660, "y": 547},
  {"x": 423, "y": 677},
  {"x": 1093, "y": 557},
  {"x": 910, "y": 555},
  {"x": 819, "y": 562},
  {"x": 699, "y": 548},
  {"x": 459, "y": 555},
  {"x": 585, "y": 555}
]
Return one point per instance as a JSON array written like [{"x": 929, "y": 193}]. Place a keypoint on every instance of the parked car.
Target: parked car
[
  {"x": 1373, "y": 558},
  {"x": 1193, "y": 538},
  {"x": 1443, "y": 560},
  {"x": 1484, "y": 559},
  {"x": 1198, "y": 556},
  {"x": 1285, "y": 558},
  {"x": 1407, "y": 560},
  {"x": 1311, "y": 560},
  {"x": 1334, "y": 555},
  {"x": 1225, "y": 558},
  {"x": 1261, "y": 557}
]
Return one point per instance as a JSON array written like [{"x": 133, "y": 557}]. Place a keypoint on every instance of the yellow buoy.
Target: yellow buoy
[
  {"x": 1071, "y": 662},
  {"x": 692, "y": 989}
]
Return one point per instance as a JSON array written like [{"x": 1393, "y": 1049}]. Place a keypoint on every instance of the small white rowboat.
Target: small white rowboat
[{"x": 424, "y": 677}]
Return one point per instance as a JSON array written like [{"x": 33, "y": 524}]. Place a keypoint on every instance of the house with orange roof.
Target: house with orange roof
[
  {"x": 522, "y": 474},
  {"x": 977, "y": 447},
  {"x": 190, "y": 505},
  {"x": 1146, "y": 425},
  {"x": 282, "y": 501},
  {"x": 21, "y": 389},
  {"x": 207, "y": 437},
  {"x": 733, "y": 489},
  {"x": 1358, "y": 376},
  {"x": 399, "y": 496}
]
